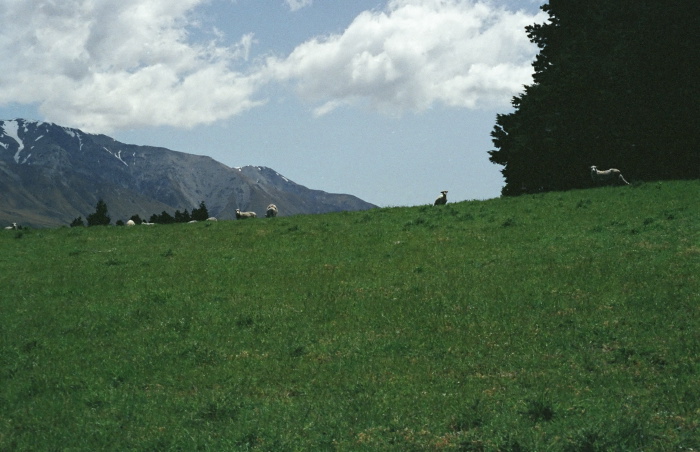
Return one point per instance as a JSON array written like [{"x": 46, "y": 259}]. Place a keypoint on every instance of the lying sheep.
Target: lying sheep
[
  {"x": 146, "y": 223},
  {"x": 271, "y": 211},
  {"x": 607, "y": 176},
  {"x": 442, "y": 199},
  {"x": 243, "y": 215},
  {"x": 212, "y": 219},
  {"x": 14, "y": 226},
  {"x": 130, "y": 223}
]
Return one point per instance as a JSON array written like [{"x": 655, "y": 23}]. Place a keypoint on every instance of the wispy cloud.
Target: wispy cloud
[
  {"x": 414, "y": 54},
  {"x": 296, "y": 5}
]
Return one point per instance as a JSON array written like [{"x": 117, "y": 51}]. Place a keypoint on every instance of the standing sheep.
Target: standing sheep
[
  {"x": 243, "y": 215},
  {"x": 442, "y": 199},
  {"x": 607, "y": 176},
  {"x": 271, "y": 211}
]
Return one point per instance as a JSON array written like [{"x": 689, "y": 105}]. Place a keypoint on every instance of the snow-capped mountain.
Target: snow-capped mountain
[{"x": 50, "y": 175}]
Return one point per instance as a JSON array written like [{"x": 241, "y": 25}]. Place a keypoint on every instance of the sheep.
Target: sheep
[
  {"x": 607, "y": 175},
  {"x": 130, "y": 223},
  {"x": 146, "y": 223},
  {"x": 14, "y": 226},
  {"x": 271, "y": 211},
  {"x": 442, "y": 199},
  {"x": 212, "y": 219},
  {"x": 243, "y": 215}
]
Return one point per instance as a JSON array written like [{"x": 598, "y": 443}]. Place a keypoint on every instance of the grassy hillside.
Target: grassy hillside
[{"x": 559, "y": 322}]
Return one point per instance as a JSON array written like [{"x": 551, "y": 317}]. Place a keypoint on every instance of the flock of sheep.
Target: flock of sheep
[
  {"x": 270, "y": 212},
  {"x": 598, "y": 176}
]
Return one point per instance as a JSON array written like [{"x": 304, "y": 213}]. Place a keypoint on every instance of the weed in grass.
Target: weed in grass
[
  {"x": 584, "y": 204},
  {"x": 509, "y": 222},
  {"x": 539, "y": 411},
  {"x": 472, "y": 418}
]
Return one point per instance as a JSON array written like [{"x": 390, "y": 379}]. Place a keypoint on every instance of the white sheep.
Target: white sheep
[
  {"x": 442, "y": 199},
  {"x": 271, "y": 211},
  {"x": 130, "y": 223},
  {"x": 243, "y": 215},
  {"x": 607, "y": 176},
  {"x": 14, "y": 226},
  {"x": 212, "y": 219},
  {"x": 146, "y": 223}
]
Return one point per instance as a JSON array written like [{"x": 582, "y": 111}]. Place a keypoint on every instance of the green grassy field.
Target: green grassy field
[{"x": 555, "y": 322}]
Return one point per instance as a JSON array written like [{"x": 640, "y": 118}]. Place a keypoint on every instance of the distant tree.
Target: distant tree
[
  {"x": 119, "y": 223},
  {"x": 154, "y": 219},
  {"x": 77, "y": 222},
  {"x": 200, "y": 214},
  {"x": 99, "y": 217},
  {"x": 182, "y": 217},
  {"x": 165, "y": 218},
  {"x": 136, "y": 219},
  {"x": 613, "y": 86}
]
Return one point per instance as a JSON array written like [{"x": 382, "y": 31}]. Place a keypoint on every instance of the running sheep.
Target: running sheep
[
  {"x": 609, "y": 175},
  {"x": 243, "y": 215}
]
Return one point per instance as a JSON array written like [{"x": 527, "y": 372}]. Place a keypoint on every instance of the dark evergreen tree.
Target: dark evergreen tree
[
  {"x": 77, "y": 222},
  {"x": 200, "y": 214},
  {"x": 182, "y": 217},
  {"x": 136, "y": 219},
  {"x": 614, "y": 86},
  {"x": 165, "y": 218},
  {"x": 99, "y": 217}
]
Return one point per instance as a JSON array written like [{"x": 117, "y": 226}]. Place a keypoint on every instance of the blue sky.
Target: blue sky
[{"x": 392, "y": 101}]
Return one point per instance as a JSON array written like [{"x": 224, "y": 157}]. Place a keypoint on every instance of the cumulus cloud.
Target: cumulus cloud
[
  {"x": 413, "y": 54},
  {"x": 119, "y": 63},
  {"x": 116, "y": 64}
]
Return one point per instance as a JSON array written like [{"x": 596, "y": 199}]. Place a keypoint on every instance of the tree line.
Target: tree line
[
  {"x": 614, "y": 85},
  {"x": 101, "y": 216}
]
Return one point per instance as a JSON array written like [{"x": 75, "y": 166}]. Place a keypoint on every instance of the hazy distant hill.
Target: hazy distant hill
[{"x": 50, "y": 175}]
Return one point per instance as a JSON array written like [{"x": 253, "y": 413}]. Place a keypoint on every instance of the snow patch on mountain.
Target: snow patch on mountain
[
  {"x": 117, "y": 155},
  {"x": 73, "y": 134},
  {"x": 11, "y": 129}
]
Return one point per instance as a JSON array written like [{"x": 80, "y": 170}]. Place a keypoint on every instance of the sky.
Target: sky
[{"x": 392, "y": 101}]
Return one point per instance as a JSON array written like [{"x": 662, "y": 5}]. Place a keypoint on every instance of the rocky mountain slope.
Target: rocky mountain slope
[{"x": 50, "y": 175}]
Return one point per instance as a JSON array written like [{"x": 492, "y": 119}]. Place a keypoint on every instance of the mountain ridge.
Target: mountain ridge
[{"x": 50, "y": 174}]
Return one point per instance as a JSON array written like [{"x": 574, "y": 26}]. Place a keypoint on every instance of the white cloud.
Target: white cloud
[
  {"x": 115, "y": 64},
  {"x": 118, "y": 63},
  {"x": 414, "y": 54},
  {"x": 296, "y": 5}
]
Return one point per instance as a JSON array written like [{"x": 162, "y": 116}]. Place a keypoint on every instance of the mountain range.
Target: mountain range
[{"x": 50, "y": 175}]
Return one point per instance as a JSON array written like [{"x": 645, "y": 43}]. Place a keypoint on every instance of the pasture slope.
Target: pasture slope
[{"x": 555, "y": 322}]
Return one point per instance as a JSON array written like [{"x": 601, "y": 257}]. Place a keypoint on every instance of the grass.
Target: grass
[{"x": 554, "y": 322}]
